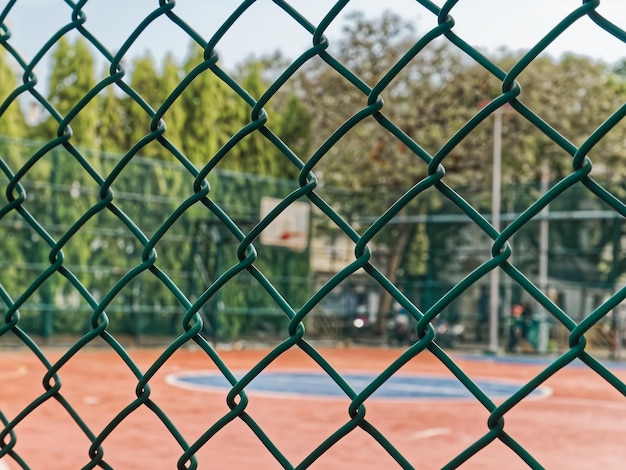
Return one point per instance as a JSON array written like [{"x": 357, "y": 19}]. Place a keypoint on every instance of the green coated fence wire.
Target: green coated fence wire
[{"x": 16, "y": 205}]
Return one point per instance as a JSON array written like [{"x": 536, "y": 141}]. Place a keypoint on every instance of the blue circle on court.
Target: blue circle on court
[{"x": 316, "y": 384}]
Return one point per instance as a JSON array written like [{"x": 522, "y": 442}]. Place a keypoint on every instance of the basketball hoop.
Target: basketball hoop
[
  {"x": 290, "y": 229},
  {"x": 290, "y": 235}
]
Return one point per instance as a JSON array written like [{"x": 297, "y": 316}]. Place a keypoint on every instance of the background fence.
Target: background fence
[
  {"x": 100, "y": 240},
  {"x": 581, "y": 275},
  {"x": 194, "y": 252}
]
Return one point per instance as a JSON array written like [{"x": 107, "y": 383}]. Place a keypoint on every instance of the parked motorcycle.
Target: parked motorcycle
[
  {"x": 358, "y": 326},
  {"x": 402, "y": 329},
  {"x": 448, "y": 335}
]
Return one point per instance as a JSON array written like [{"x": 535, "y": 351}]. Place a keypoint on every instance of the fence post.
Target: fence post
[
  {"x": 47, "y": 289},
  {"x": 544, "y": 330}
]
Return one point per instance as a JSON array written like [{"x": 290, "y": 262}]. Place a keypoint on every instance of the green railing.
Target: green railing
[{"x": 59, "y": 246}]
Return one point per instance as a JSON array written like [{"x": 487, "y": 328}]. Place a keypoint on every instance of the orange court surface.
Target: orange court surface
[{"x": 579, "y": 424}]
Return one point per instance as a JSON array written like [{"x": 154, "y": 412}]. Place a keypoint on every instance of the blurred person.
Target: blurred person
[{"x": 517, "y": 329}]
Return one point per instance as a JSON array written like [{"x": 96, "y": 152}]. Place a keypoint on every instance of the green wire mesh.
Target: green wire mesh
[{"x": 373, "y": 107}]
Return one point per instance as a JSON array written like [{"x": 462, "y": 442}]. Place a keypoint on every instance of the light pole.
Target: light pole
[
  {"x": 496, "y": 196},
  {"x": 496, "y": 187}
]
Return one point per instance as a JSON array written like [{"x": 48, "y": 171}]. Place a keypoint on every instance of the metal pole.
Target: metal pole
[
  {"x": 494, "y": 275},
  {"x": 542, "y": 345},
  {"x": 618, "y": 313}
]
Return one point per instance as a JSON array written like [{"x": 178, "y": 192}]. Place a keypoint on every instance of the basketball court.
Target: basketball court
[{"x": 573, "y": 420}]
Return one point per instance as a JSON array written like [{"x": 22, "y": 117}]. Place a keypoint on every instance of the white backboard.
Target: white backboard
[{"x": 290, "y": 229}]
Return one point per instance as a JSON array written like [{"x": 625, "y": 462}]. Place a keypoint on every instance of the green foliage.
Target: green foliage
[
  {"x": 147, "y": 192},
  {"x": 12, "y": 122},
  {"x": 72, "y": 77},
  {"x": 294, "y": 128},
  {"x": 254, "y": 153},
  {"x": 437, "y": 92},
  {"x": 175, "y": 115},
  {"x": 112, "y": 122},
  {"x": 145, "y": 81},
  {"x": 212, "y": 114},
  {"x": 415, "y": 259}
]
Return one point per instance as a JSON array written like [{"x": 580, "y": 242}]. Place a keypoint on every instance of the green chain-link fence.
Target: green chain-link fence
[{"x": 60, "y": 263}]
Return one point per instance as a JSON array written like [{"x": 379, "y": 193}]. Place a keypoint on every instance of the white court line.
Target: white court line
[
  {"x": 13, "y": 374},
  {"x": 3, "y": 465},
  {"x": 432, "y": 432},
  {"x": 609, "y": 404}
]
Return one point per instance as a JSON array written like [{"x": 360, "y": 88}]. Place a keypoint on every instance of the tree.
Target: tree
[
  {"x": 113, "y": 124},
  {"x": 437, "y": 92},
  {"x": 12, "y": 123},
  {"x": 146, "y": 83},
  {"x": 369, "y": 159},
  {"x": 12, "y": 127},
  {"x": 288, "y": 118},
  {"x": 294, "y": 129},
  {"x": 68, "y": 190},
  {"x": 574, "y": 95},
  {"x": 175, "y": 116},
  {"x": 212, "y": 112},
  {"x": 71, "y": 79},
  {"x": 254, "y": 154}
]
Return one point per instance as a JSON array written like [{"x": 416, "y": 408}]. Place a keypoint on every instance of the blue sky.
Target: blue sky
[{"x": 264, "y": 28}]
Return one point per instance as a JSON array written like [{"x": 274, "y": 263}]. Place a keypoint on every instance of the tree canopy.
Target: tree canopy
[{"x": 437, "y": 92}]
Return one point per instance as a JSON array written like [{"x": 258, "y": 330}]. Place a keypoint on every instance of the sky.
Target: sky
[{"x": 265, "y": 28}]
